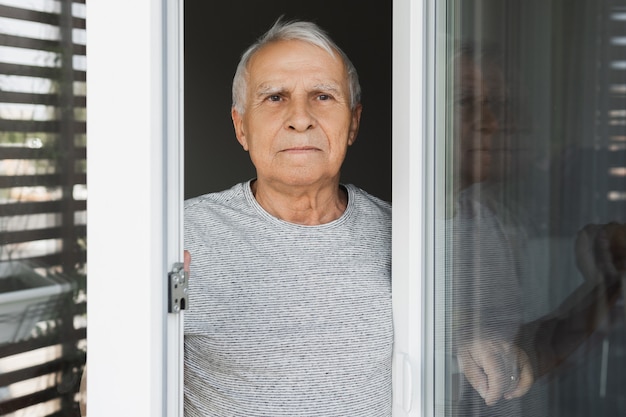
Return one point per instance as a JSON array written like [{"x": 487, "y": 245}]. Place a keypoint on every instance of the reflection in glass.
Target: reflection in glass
[
  {"x": 532, "y": 235},
  {"x": 42, "y": 207}
]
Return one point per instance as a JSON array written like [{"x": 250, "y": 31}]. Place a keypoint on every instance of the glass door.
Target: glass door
[{"x": 530, "y": 215}]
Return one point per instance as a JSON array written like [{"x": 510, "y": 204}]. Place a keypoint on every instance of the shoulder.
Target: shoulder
[
  {"x": 232, "y": 197},
  {"x": 369, "y": 217},
  {"x": 219, "y": 209},
  {"x": 367, "y": 204}
]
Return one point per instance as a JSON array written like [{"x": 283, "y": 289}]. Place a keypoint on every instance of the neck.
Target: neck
[{"x": 304, "y": 205}]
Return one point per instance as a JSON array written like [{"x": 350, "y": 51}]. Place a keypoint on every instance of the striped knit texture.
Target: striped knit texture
[
  {"x": 285, "y": 319},
  {"x": 485, "y": 290}
]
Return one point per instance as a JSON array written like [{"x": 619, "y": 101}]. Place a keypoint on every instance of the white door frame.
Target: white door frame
[
  {"x": 134, "y": 132},
  {"x": 413, "y": 206}
]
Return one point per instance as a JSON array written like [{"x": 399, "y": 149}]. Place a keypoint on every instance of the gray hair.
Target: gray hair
[{"x": 294, "y": 30}]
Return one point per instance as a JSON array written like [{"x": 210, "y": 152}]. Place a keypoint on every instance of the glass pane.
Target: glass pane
[
  {"x": 42, "y": 206},
  {"x": 531, "y": 236}
]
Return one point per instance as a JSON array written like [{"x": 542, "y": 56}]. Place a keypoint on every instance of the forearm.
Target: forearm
[{"x": 549, "y": 340}]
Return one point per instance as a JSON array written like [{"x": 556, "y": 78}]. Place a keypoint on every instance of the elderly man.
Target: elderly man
[{"x": 290, "y": 297}]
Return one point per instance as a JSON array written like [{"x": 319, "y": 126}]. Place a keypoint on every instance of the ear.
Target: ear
[
  {"x": 354, "y": 124},
  {"x": 239, "y": 129}
]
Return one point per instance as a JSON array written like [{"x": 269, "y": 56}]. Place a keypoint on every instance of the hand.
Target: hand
[{"x": 496, "y": 369}]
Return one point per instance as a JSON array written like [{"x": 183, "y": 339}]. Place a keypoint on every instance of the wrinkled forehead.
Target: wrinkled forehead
[{"x": 285, "y": 61}]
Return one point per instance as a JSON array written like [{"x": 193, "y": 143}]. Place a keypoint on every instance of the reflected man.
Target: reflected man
[
  {"x": 499, "y": 355},
  {"x": 487, "y": 267}
]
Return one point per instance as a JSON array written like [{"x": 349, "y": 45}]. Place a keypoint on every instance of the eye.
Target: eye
[
  {"x": 466, "y": 100},
  {"x": 324, "y": 97},
  {"x": 273, "y": 97}
]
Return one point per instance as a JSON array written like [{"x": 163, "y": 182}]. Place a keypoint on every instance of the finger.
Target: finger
[
  {"x": 83, "y": 393},
  {"x": 602, "y": 252},
  {"x": 526, "y": 379},
  {"x": 617, "y": 245},
  {"x": 524, "y": 384},
  {"x": 484, "y": 371},
  {"x": 186, "y": 260},
  {"x": 474, "y": 374},
  {"x": 584, "y": 250},
  {"x": 496, "y": 379}
]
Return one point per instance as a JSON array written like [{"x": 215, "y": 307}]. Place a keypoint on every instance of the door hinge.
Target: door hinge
[{"x": 177, "y": 295}]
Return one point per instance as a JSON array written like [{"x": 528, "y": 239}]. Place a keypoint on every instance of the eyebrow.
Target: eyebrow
[
  {"x": 264, "y": 90},
  {"x": 327, "y": 87},
  {"x": 268, "y": 89}
]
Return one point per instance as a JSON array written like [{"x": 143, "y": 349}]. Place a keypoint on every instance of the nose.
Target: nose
[
  {"x": 300, "y": 117},
  {"x": 488, "y": 121}
]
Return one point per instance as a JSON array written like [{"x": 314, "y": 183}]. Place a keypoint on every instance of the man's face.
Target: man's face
[
  {"x": 297, "y": 123},
  {"x": 475, "y": 123}
]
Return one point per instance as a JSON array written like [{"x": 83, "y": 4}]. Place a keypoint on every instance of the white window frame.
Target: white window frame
[{"x": 135, "y": 183}]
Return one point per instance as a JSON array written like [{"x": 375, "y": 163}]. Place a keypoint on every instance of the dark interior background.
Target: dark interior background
[{"x": 216, "y": 33}]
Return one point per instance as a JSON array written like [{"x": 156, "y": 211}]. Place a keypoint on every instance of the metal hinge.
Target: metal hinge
[{"x": 177, "y": 294}]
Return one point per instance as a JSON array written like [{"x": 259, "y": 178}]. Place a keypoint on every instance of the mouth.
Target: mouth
[{"x": 300, "y": 149}]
